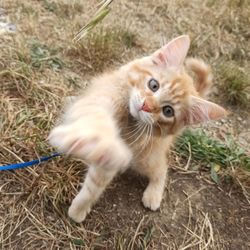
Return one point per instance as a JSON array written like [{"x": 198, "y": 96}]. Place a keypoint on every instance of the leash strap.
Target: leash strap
[{"x": 28, "y": 163}]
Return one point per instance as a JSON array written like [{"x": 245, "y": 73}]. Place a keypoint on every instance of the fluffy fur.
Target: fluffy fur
[{"x": 122, "y": 121}]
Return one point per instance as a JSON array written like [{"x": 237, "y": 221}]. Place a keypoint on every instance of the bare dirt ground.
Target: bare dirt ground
[{"x": 40, "y": 66}]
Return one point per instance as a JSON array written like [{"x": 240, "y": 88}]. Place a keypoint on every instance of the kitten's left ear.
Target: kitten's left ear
[
  {"x": 202, "y": 110},
  {"x": 173, "y": 53}
]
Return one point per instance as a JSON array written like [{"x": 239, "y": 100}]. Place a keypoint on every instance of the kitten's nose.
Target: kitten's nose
[{"x": 146, "y": 108}]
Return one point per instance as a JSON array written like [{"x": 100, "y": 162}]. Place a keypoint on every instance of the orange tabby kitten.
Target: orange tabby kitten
[{"x": 129, "y": 117}]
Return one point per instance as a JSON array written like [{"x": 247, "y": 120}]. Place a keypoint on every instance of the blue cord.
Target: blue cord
[{"x": 28, "y": 163}]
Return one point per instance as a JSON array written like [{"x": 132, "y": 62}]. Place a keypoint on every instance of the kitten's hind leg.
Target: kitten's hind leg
[{"x": 96, "y": 181}]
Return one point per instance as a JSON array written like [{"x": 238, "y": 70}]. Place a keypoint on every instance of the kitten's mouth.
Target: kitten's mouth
[
  {"x": 145, "y": 108},
  {"x": 144, "y": 113},
  {"x": 139, "y": 108}
]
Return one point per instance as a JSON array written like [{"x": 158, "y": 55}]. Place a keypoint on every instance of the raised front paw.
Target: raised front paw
[
  {"x": 152, "y": 199},
  {"x": 96, "y": 146}
]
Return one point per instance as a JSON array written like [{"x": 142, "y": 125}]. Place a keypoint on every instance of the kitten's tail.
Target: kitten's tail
[{"x": 203, "y": 75}]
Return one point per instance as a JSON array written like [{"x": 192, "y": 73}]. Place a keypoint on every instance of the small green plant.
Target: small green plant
[
  {"x": 234, "y": 84},
  {"x": 128, "y": 38},
  {"x": 78, "y": 242},
  {"x": 64, "y": 10},
  {"x": 212, "y": 152},
  {"x": 49, "y": 5},
  {"x": 42, "y": 56}
]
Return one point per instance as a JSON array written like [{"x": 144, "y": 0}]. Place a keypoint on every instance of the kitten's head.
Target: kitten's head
[{"x": 163, "y": 95}]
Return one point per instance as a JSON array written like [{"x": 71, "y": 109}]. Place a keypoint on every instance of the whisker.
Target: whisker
[
  {"x": 131, "y": 134},
  {"x": 133, "y": 125},
  {"x": 134, "y": 128},
  {"x": 141, "y": 146},
  {"x": 159, "y": 127},
  {"x": 147, "y": 140},
  {"x": 147, "y": 137},
  {"x": 151, "y": 139},
  {"x": 150, "y": 120},
  {"x": 142, "y": 131}
]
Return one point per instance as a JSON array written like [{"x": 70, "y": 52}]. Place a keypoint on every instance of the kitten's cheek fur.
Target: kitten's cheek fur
[
  {"x": 132, "y": 108},
  {"x": 135, "y": 103}
]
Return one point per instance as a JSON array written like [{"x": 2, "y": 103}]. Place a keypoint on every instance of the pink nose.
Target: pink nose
[{"x": 146, "y": 108}]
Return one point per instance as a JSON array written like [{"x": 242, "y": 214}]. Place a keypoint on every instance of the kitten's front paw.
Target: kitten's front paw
[
  {"x": 78, "y": 212},
  {"x": 151, "y": 199},
  {"x": 96, "y": 146}
]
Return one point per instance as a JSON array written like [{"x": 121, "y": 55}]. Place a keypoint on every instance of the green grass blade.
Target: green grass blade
[
  {"x": 101, "y": 13},
  {"x": 210, "y": 151}
]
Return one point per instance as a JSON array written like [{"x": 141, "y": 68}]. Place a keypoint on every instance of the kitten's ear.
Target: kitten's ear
[
  {"x": 173, "y": 53},
  {"x": 202, "y": 110}
]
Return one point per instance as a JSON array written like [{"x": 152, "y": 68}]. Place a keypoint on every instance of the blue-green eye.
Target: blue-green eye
[
  {"x": 153, "y": 85},
  {"x": 168, "y": 111}
]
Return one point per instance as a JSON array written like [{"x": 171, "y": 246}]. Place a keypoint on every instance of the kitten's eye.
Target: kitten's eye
[
  {"x": 153, "y": 85},
  {"x": 168, "y": 111}
]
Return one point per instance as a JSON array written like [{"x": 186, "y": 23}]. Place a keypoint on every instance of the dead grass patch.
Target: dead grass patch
[
  {"x": 234, "y": 84},
  {"x": 103, "y": 48},
  {"x": 63, "y": 9}
]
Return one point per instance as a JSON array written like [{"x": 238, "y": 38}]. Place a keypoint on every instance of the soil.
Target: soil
[{"x": 188, "y": 199}]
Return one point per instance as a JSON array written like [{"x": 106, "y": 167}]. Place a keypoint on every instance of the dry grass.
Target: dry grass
[
  {"x": 40, "y": 65},
  {"x": 234, "y": 84},
  {"x": 103, "y": 49}
]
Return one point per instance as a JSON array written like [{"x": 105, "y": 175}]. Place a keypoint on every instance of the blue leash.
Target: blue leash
[{"x": 28, "y": 163}]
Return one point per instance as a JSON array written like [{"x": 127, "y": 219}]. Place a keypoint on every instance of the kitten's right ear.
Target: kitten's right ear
[{"x": 172, "y": 54}]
